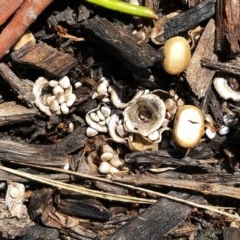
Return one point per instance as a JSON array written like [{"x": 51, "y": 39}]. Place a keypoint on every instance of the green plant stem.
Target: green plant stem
[{"x": 124, "y": 7}]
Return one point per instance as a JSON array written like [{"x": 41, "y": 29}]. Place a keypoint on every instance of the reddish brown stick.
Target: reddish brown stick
[
  {"x": 23, "y": 18},
  {"x": 7, "y": 8}
]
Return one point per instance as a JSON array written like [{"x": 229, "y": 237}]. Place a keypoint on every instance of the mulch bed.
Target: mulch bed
[{"x": 72, "y": 166}]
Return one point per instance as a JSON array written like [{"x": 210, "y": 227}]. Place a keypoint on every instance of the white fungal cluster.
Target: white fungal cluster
[
  {"x": 224, "y": 90},
  {"x": 54, "y": 97},
  {"x": 102, "y": 90},
  {"x": 97, "y": 120},
  {"x": 110, "y": 161},
  {"x": 144, "y": 116},
  {"x": 172, "y": 104}
]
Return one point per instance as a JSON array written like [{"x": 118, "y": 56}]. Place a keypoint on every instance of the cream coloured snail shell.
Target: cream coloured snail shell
[
  {"x": 188, "y": 126},
  {"x": 177, "y": 55}
]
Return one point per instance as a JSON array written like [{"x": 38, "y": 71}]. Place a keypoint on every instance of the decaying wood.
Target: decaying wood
[
  {"x": 12, "y": 227},
  {"x": 82, "y": 207},
  {"x": 7, "y": 8},
  {"x": 163, "y": 157},
  {"x": 11, "y": 113},
  {"x": 211, "y": 105},
  {"x": 118, "y": 42},
  {"x": 41, "y": 207},
  {"x": 24, "y": 153},
  {"x": 185, "y": 21},
  {"x": 198, "y": 77},
  {"x": 37, "y": 232},
  {"x": 47, "y": 155},
  {"x": 23, "y": 18},
  {"x": 205, "y": 188},
  {"x": 227, "y": 28},
  {"x": 11, "y": 177},
  {"x": 232, "y": 67},
  {"x": 231, "y": 233},
  {"x": 156, "y": 222},
  {"x": 46, "y": 58},
  {"x": 22, "y": 88},
  {"x": 72, "y": 142}
]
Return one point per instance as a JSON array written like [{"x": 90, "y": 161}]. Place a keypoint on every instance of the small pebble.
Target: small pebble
[
  {"x": 64, "y": 108},
  {"x": 94, "y": 117},
  {"x": 64, "y": 82},
  {"x": 223, "y": 130},
  {"x": 101, "y": 89},
  {"x": 210, "y": 134},
  {"x": 57, "y": 90},
  {"x": 90, "y": 132},
  {"x": 106, "y": 111},
  {"x": 153, "y": 136},
  {"x": 70, "y": 100},
  {"x": 77, "y": 84},
  {"x": 107, "y": 156},
  {"x": 70, "y": 127},
  {"x": 54, "y": 106},
  {"x": 53, "y": 83},
  {"x": 100, "y": 115}
]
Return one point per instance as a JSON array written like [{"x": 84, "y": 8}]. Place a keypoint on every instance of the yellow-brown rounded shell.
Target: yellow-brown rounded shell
[{"x": 177, "y": 55}]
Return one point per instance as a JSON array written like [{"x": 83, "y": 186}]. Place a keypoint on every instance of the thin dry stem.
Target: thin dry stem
[
  {"x": 23, "y": 18},
  {"x": 184, "y": 201}
]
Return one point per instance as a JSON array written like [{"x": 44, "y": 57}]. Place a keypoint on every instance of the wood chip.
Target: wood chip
[
  {"x": 46, "y": 58},
  {"x": 7, "y": 8},
  {"x": 11, "y": 113},
  {"x": 115, "y": 40},
  {"x": 227, "y": 27},
  {"x": 198, "y": 77},
  {"x": 156, "y": 221}
]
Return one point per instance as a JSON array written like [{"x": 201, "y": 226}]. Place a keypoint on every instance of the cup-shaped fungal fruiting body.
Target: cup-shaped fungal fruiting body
[
  {"x": 176, "y": 55},
  {"x": 188, "y": 126},
  {"x": 145, "y": 115}
]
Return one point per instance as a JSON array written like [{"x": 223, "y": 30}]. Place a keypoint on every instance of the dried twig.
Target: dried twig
[
  {"x": 7, "y": 8},
  {"x": 184, "y": 201},
  {"x": 78, "y": 189},
  {"x": 23, "y": 18}
]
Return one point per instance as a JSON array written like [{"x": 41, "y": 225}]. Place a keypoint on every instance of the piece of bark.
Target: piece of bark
[
  {"x": 205, "y": 188},
  {"x": 11, "y": 113},
  {"x": 7, "y": 8},
  {"x": 57, "y": 176},
  {"x": 74, "y": 141},
  {"x": 46, "y": 58},
  {"x": 12, "y": 227},
  {"x": 37, "y": 232},
  {"x": 81, "y": 233},
  {"x": 66, "y": 16},
  {"x": 198, "y": 77},
  {"x": 22, "y": 88},
  {"x": 82, "y": 207},
  {"x": 120, "y": 43},
  {"x": 211, "y": 105},
  {"x": 186, "y": 20},
  {"x": 164, "y": 158},
  {"x": 227, "y": 28},
  {"x": 156, "y": 222},
  {"x": 226, "y": 67},
  {"x": 31, "y": 154},
  {"x": 46, "y": 155},
  {"x": 39, "y": 201},
  {"x": 231, "y": 233},
  {"x": 23, "y": 18}
]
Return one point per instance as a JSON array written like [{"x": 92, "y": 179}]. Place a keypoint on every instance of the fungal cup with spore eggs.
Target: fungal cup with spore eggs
[{"x": 53, "y": 96}]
